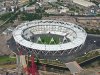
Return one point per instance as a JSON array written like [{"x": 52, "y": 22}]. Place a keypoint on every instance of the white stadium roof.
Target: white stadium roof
[{"x": 79, "y": 40}]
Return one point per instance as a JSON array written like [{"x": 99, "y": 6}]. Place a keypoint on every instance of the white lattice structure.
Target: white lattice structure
[{"x": 75, "y": 33}]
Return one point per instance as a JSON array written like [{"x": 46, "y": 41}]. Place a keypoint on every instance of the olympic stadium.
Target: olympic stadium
[{"x": 49, "y": 38}]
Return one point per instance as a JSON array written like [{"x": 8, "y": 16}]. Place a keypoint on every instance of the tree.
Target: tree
[
  {"x": 30, "y": 1},
  {"x": 58, "y": 0},
  {"x": 5, "y": 16},
  {"x": 30, "y": 16}
]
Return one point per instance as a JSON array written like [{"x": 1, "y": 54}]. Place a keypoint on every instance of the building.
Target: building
[
  {"x": 29, "y": 41},
  {"x": 30, "y": 9},
  {"x": 66, "y": 32},
  {"x": 83, "y": 3},
  {"x": 52, "y": 11}
]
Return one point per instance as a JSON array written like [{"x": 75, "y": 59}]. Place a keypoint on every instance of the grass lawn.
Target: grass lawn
[
  {"x": 49, "y": 40},
  {"x": 6, "y": 59}
]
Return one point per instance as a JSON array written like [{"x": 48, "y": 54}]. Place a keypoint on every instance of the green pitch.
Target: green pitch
[{"x": 48, "y": 40}]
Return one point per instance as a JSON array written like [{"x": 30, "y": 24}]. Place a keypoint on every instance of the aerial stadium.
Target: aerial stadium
[{"x": 48, "y": 39}]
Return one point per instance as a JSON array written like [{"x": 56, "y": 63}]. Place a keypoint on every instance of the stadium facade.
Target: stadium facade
[
  {"x": 23, "y": 33},
  {"x": 27, "y": 36}
]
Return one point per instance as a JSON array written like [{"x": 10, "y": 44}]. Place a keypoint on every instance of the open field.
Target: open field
[{"x": 7, "y": 60}]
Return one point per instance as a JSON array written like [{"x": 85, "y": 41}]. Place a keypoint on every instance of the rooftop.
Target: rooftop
[
  {"x": 44, "y": 23},
  {"x": 83, "y": 3}
]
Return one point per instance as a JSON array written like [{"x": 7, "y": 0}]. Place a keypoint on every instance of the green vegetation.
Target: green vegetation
[
  {"x": 75, "y": 9},
  {"x": 58, "y": 0},
  {"x": 53, "y": 4},
  {"x": 92, "y": 31},
  {"x": 72, "y": 9},
  {"x": 52, "y": 62},
  {"x": 98, "y": 15},
  {"x": 5, "y": 16},
  {"x": 6, "y": 60},
  {"x": 60, "y": 3},
  {"x": 8, "y": 18},
  {"x": 31, "y": 2},
  {"x": 94, "y": 64},
  {"x": 30, "y": 16},
  {"x": 87, "y": 56}
]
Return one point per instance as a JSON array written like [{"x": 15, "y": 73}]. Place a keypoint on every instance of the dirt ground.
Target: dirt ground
[{"x": 4, "y": 48}]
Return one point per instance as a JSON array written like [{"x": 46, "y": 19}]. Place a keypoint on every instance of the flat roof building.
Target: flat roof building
[
  {"x": 30, "y": 9},
  {"x": 47, "y": 0},
  {"x": 84, "y": 3}
]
